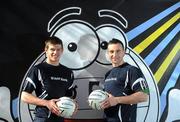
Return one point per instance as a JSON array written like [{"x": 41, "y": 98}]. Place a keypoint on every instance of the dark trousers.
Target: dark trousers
[
  {"x": 39, "y": 119},
  {"x": 112, "y": 120}
]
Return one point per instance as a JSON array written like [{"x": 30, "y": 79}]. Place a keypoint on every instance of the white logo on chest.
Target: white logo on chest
[
  {"x": 110, "y": 79},
  {"x": 59, "y": 78}
]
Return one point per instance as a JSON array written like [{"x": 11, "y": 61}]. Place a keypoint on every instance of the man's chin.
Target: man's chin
[
  {"x": 114, "y": 62},
  {"x": 55, "y": 60}
]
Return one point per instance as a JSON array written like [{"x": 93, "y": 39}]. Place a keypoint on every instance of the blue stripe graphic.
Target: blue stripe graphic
[
  {"x": 144, "y": 26},
  {"x": 153, "y": 55},
  {"x": 14, "y": 107},
  {"x": 171, "y": 83}
]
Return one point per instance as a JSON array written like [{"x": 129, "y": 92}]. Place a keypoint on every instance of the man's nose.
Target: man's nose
[
  {"x": 55, "y": 51},
  {"x": 115, "y": 53}
]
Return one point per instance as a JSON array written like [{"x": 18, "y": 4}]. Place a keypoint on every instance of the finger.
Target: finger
[
  {"x": 105, "y": 104},
  {"x": 57, "y": 112},
  {"x": 56, "y": 100},
  {"x": 110, "y": 95}
]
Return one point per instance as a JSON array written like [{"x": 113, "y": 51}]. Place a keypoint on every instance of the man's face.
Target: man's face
[
  {"x": 116, "y": 54},
  {"x": 53, "y": 53}
]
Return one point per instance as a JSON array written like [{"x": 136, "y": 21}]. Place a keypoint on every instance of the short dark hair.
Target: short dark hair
[
  {"x": 53, "y": 40},
  {"x": 116, "y": 41}
]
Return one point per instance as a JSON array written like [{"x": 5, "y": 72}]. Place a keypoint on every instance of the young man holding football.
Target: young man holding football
[
  {"x": 125, "y": 84},
  {"x": 50, "y": 80}
]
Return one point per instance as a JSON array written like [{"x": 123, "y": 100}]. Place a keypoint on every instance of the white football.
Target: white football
[
  {"x": 96, "y": 97},
  {"x": 66, "y": 106}
]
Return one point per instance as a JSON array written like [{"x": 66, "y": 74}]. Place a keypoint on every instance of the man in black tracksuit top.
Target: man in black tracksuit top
[
  {"x": 50, "y": 80},
  {"x": 125, "y": 84}
]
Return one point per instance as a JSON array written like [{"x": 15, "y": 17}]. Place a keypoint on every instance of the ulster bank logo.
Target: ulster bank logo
[{"x": 85, "y": 49}]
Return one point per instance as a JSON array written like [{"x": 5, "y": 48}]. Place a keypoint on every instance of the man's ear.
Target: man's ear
[
  {"x": 45, "y": 49},
  {"x": 62, "y": 49}
]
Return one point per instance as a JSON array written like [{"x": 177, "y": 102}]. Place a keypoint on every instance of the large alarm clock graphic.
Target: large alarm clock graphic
[{"x": 85, "y": 49}]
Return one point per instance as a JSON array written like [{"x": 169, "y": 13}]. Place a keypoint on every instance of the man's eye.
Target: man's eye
[
  {"x": 52, "y": 49},
  {"x": 58, "y": 50},
  {"x": 111, "y": 51}
]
